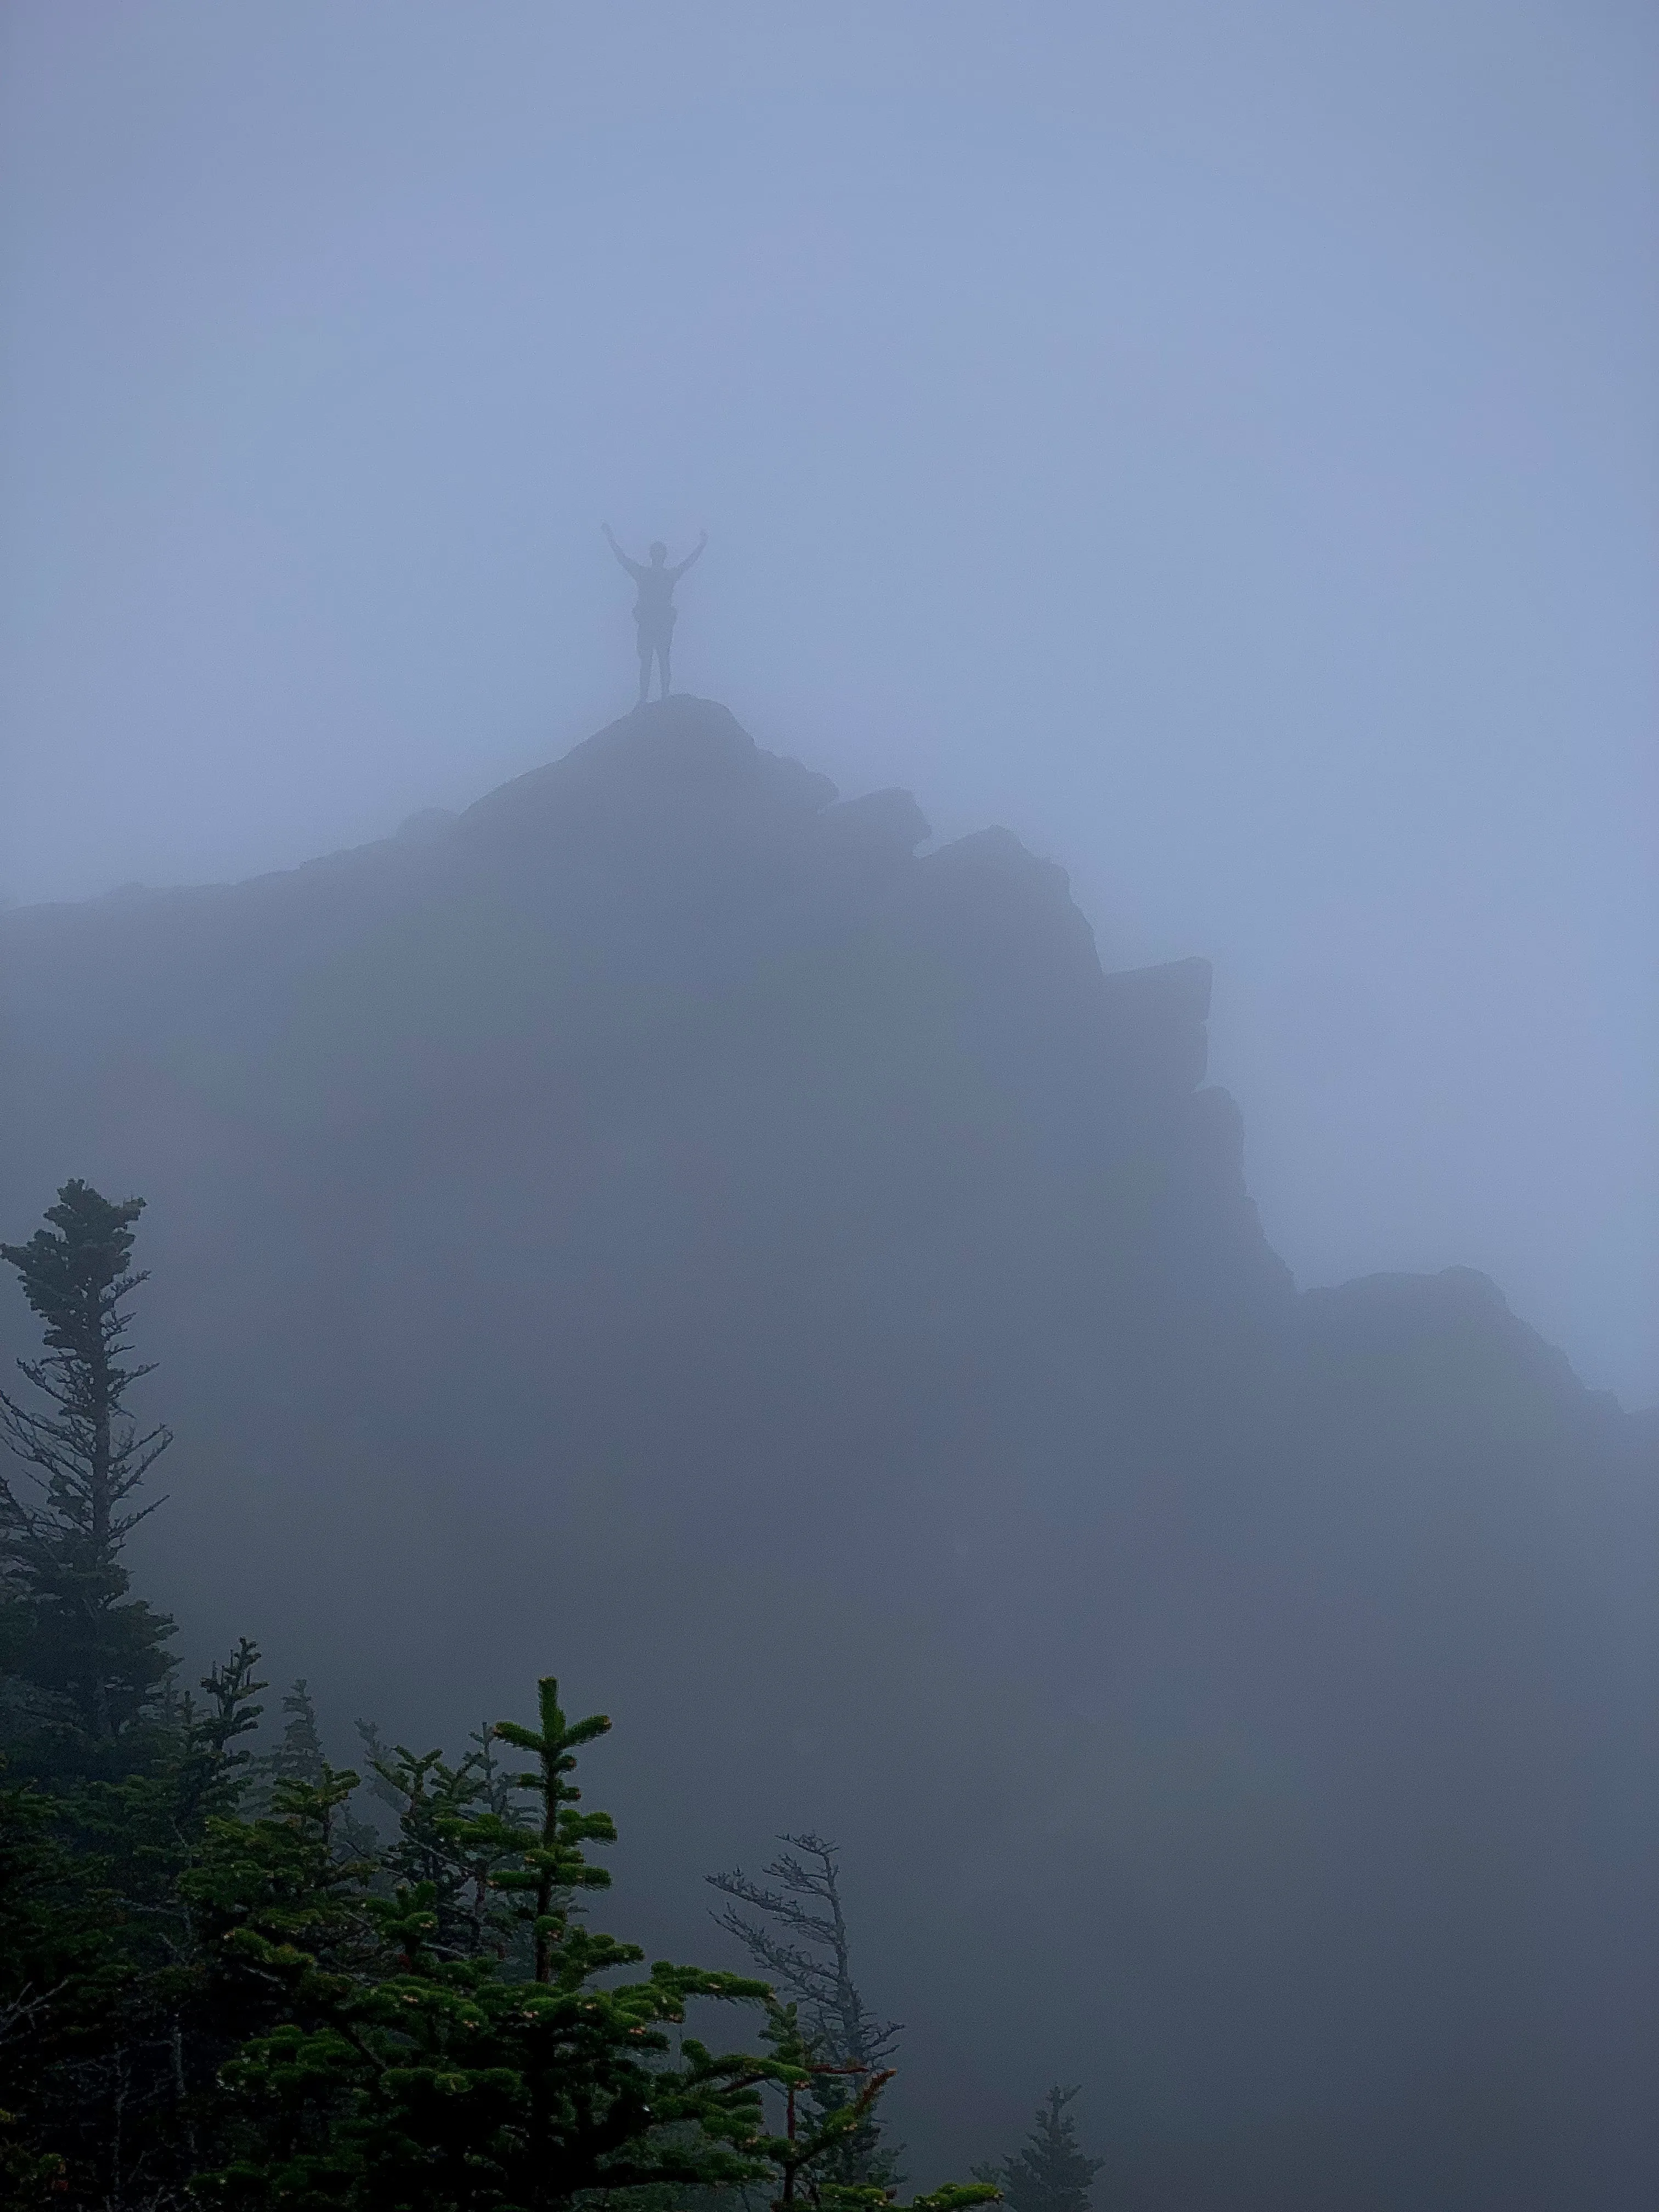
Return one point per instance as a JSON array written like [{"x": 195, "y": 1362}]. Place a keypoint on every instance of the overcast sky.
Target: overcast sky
[{"x": 1215, "y": 440}]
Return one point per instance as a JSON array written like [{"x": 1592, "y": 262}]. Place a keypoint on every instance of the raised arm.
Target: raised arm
[
  {"x": 632, "y": 566},
  {"x": 692, "y": 556}
]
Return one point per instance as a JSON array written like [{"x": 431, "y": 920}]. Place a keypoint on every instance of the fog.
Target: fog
[
  {"x": 739, "y": 1249},
  {"x": 1215, "y": 442}
]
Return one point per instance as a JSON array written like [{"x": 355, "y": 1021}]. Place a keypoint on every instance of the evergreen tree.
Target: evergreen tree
[
  {"x": 1049, "y": 2172},
  {"x": 809, "y": 2159},
  {"x": 58, "y": 1972},
  {"x": 90, "y": 1664},
  {"x": 298, "y": 1756},
  {"x": 808, "y": 1954},
  {"x": 395, "y": 2077},
  {"x": 111, "y": 2078},
  {"x": 443, "y": 1843},
  {"x": 200, "y": 2005}
]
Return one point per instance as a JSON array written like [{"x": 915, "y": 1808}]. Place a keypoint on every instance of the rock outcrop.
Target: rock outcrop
[{"x": 662, "y": 1225}]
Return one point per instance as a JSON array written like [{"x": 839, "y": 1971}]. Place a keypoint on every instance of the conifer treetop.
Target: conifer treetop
[
  {"x": 86, "y": 1457},
  {"x": 1049, "y": 2172}
]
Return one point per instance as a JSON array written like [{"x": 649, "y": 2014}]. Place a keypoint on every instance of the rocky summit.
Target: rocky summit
[{"x": 668, "y": 1226}]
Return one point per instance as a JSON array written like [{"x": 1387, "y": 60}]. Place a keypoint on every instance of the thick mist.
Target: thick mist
[
  {"x": 664, "y": 1225},
  {"x": 1216, "y": 444},
  {"x": 1020, "y": 1225}
]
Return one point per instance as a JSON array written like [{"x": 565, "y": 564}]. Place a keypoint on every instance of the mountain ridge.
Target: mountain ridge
[{"x": 663, "y": 1225}]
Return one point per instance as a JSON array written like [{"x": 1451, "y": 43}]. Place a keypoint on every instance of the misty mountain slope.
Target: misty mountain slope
[{"x": 660, "y": 1225}]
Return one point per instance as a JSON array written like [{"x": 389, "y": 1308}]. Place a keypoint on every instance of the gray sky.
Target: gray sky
[{"x": 1215, "y": 440}]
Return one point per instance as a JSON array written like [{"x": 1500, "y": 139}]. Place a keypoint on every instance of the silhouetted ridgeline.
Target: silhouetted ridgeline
[{"x": 655, "y": 1226}]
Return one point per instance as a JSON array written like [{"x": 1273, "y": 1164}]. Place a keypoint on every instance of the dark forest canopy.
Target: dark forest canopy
[{"x": 664, "y": 1219}]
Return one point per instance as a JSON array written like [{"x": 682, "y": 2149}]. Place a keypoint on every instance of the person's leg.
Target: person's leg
[
  {"x": 662, "y": 656},
  {"x": 645, "y": 669}
]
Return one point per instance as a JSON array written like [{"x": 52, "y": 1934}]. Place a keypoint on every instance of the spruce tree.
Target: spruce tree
[
  {"x": 102, "y": 1971},
  {"x": 808, "y": 2157},
  {"x": 60, "y": 1971},
  {"x": 90, "y": 1664},
  {"x": 1049, "y": 2172},
  {"x": 806, "y": 1952},
  {"x": 393, "y": 2075},
  {"x": 298, "y": 1756},
  {"x": 457, "y": 1830}
]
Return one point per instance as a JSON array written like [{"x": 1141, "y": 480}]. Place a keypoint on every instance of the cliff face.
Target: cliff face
[{"x": 657, "y": 1226}]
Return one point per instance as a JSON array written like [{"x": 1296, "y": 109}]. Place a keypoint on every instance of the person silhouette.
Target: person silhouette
[{"x": 653, "y": 610}]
